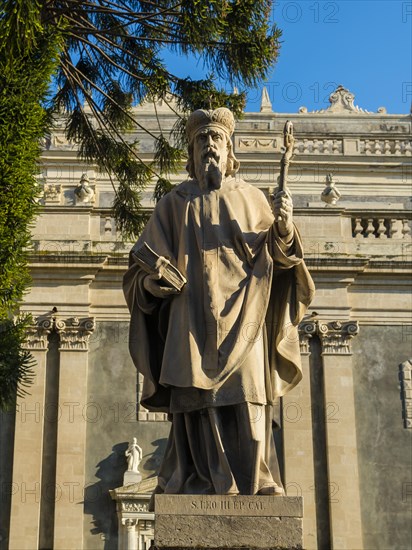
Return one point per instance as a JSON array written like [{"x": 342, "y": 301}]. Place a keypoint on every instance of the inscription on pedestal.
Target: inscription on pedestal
[{"x": 211, "y": 505}]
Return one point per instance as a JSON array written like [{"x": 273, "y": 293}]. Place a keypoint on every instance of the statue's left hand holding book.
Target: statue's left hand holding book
[{"x": 152, "y": 263}]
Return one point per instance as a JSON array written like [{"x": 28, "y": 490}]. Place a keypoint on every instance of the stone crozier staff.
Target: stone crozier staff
[{"x": 218, "y": 353}]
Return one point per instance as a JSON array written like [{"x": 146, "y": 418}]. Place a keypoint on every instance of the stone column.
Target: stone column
[
  {"x": 71, "y": 438},
  {"x": 131, "y": 533},
  {"x": 342, "y": 455},
  {"x": 297, "y": 440},
  {"x": 28, "y": 446}
]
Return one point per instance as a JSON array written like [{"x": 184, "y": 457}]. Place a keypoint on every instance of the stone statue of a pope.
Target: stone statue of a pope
[{"x": 217, "y": 354}]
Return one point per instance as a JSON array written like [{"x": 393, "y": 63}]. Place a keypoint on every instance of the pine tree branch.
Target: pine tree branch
[
  {"x": 94, "y": 106},
  {"x": 103, "y": 93},
  {"x": 105, "y": 39}
]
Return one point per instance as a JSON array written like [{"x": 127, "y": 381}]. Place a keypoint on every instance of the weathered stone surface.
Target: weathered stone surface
[
  {"x": 173, "y": 531},
  {"x": 225, "y": 505},
  {"x": 219, "y": 521}
]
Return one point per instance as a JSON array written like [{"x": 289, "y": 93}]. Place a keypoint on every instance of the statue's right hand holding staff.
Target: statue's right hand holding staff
[{"x": 282, "y": 207}]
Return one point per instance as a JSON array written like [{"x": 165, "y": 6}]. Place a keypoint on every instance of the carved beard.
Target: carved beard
[{"x": 210, "y": 175}]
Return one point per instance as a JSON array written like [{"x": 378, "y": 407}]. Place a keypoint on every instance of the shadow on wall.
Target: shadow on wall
[
  {"x": 152, "y": 464},
  {"x": 97, "y": 500}
]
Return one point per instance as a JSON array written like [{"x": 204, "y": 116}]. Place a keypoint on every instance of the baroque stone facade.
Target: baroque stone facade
[{"x": 345, "y": 440}]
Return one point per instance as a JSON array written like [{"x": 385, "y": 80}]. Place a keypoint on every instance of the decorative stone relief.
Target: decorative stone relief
[
  {"x": 405, "y": 376},
  {"x": 341, "y": 102},
  {"x": 37, "y": 334},
  {"x": 135, "y": 506},
  {"x": 75, "y": 333},
  {"x": 257, "y": 144},
  {"x": 52, "y": 193}
]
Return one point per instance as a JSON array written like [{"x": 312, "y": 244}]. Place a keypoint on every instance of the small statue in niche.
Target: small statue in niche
[
  {"x": 330, "y": 194},
  {"x": 83, "y": 192},
  {"x": 134, "y": 455}
]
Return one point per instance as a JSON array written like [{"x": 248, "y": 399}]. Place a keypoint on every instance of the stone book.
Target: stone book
[{"x": 151, "y": 262}]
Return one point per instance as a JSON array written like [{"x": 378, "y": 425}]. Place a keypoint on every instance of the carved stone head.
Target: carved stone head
[{"x": 200, "y": 122}]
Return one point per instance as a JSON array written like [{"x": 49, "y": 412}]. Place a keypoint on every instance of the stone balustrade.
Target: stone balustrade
[
  {"x": 385, "y": 147},
  {"x": 393, "y": 147},
  {"x": 381, "y": 227},
  {"x": 319, "y": 146}
]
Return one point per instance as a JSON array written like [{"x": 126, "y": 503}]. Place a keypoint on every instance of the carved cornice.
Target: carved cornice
[
  {"x": 75, "y": 333},
  {"x": 335, "y": 336}
]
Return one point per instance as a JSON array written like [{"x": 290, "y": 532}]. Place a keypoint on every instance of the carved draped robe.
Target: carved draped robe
[{"x": 218, "y": 355}]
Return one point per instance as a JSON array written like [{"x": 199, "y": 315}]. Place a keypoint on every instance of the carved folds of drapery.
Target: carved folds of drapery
[
  {"x": 74, "y": 333},
  {"x": 335, "y": 336}
]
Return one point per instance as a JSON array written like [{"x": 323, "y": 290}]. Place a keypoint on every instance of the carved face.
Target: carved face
[{"x": 210, "y": 156}]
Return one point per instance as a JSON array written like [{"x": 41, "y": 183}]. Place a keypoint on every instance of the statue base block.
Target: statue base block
[
  {"x": 131, "y": 477},
  {"x": 232, "y": 522}
]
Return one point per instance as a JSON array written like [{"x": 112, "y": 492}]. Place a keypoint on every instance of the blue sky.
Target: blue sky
[{"x": 364, "y": 45}]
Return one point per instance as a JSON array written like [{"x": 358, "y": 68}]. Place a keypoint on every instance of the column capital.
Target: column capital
[
  {"x": 336, "y": 336},
  {"x": 307, "y": 328},
  {"x": 37, "y": 334},
  {"x": 129, "y": 522},
  {"x": 75, "y": 333}
]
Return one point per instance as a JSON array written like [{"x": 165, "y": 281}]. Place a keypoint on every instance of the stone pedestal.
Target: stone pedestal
[
  {"x": 129, "y": 478},
  {"x": 232, "y": 522}
]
